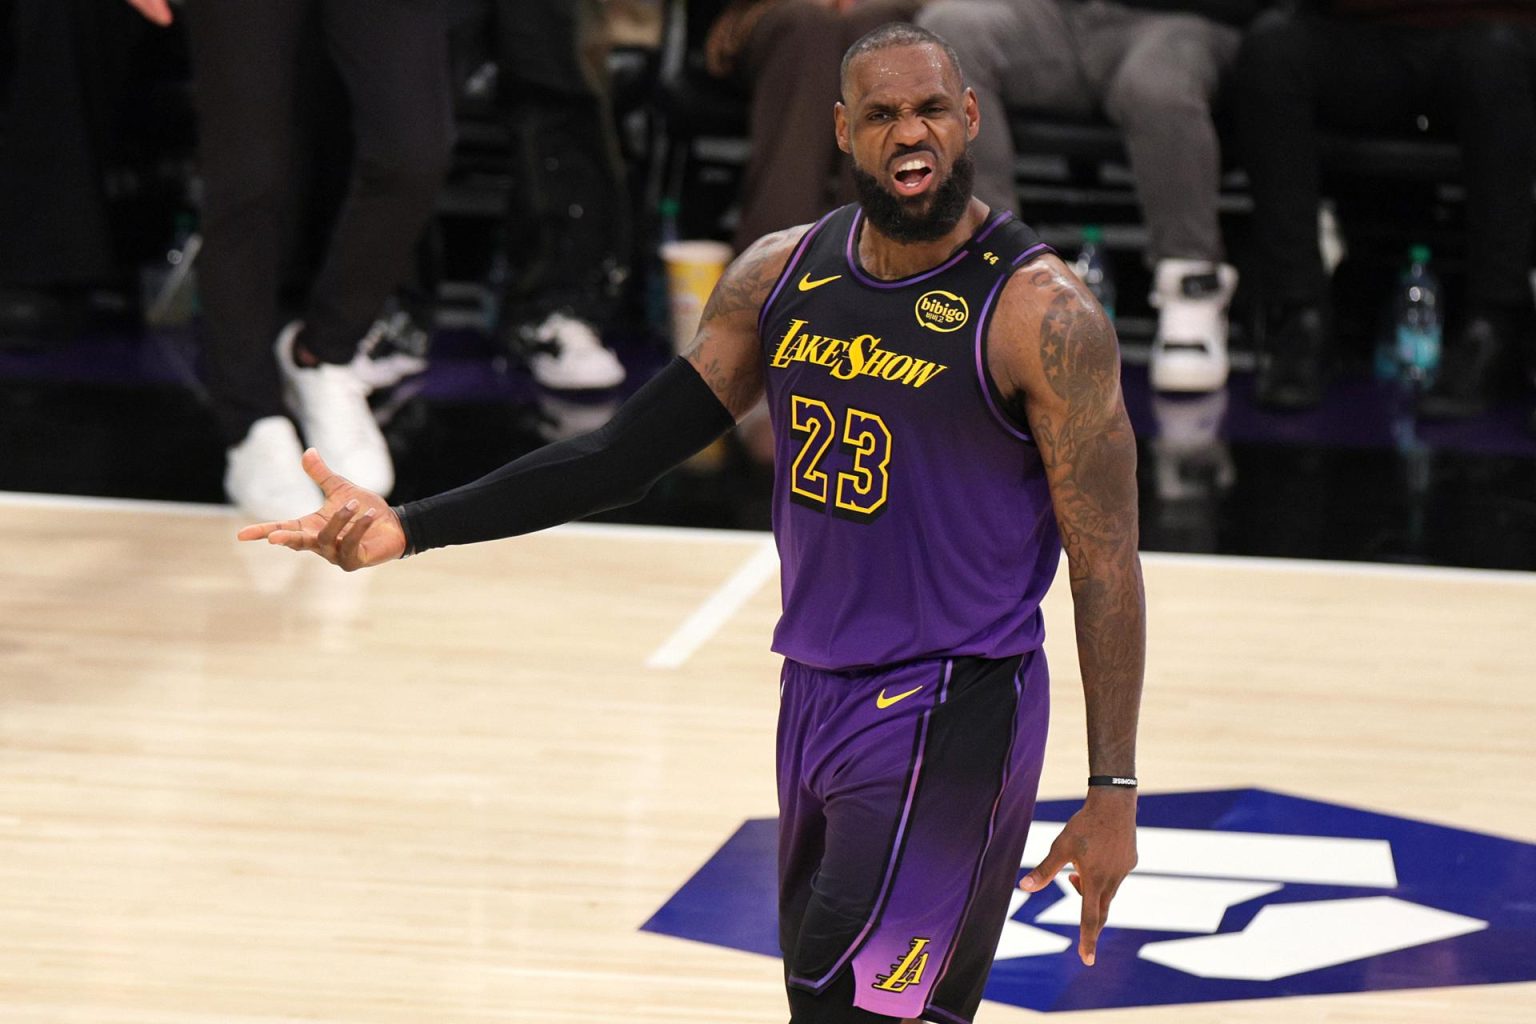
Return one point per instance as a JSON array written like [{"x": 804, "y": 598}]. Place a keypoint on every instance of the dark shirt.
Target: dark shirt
[
  {"x": 1230, "y": 12},
  {"x": 1429, "y": 13}
]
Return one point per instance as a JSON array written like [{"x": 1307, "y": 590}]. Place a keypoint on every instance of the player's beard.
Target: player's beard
[{"x": 899, "y": 219}]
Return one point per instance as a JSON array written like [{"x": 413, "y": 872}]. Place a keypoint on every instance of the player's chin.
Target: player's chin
[{"x": 915, "y": 207}]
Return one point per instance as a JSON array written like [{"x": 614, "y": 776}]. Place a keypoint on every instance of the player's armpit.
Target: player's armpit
[{"x": 727, "y": 351}]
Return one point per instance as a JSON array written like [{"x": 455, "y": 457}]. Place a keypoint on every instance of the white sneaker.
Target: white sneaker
[
  {"x": 262, "y": 474},
  {"x": 331, "y": 403},
  {"x": 566, "y": 354},
  {"x": 394, "y": 348},
  {"x": 1189, "y": 352}
]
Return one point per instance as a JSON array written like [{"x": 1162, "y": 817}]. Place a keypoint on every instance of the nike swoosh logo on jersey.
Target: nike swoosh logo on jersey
[
  {"x": 882, "y": 701},
  {"x": 806, "y": 284}
]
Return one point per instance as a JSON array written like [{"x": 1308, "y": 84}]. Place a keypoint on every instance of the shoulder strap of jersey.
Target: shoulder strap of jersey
[
  {"x": 1003, "y": 244},
  {"x": 824, "y": 233},
  {"x": 1006, "y": 243}
]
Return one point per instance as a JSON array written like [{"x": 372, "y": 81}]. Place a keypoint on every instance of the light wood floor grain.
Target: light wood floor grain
[{"x": 238, "y": 786}]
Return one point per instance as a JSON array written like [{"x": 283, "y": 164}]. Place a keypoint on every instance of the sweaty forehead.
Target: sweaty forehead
[{"x": 897, "y": 72}]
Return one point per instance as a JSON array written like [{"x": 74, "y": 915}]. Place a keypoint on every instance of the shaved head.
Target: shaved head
[{"x": 900, "y": 33}]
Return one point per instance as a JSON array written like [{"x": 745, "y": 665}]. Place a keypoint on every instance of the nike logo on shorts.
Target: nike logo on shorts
[{"x": 882, "y": 701}]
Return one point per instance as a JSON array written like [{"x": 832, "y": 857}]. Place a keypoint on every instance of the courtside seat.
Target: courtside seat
[
  {"x": 1071, "y": 172},
  {"x": 697, "y": 112}
]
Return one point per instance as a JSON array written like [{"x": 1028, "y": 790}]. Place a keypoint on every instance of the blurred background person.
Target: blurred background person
[
  {"x": 1379, "y": 66},
  {"x": 63, "y": 64},
  {"x": 568, "y": 228},
  {"x": 786, "y": 55},
  {"x": 392, "y": 57},
  {"x": 1153, "y": 68}
]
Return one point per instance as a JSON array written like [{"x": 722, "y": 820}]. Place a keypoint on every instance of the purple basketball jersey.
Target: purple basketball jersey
[{"x": 912, "y": 516}]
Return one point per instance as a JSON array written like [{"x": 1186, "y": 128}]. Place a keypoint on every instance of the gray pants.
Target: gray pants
[{"x": 1152, "y": 74}]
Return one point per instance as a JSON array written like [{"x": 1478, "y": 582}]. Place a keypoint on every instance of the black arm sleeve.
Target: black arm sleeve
[{"x": 672, "y": 417}]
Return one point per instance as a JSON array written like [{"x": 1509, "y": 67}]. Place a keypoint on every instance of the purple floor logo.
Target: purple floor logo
[{"x": 1239, "y": 894}]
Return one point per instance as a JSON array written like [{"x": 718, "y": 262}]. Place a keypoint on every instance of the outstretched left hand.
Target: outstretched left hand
[
  {"x": 353, "y": 528},
  {"x": 1099, "y": 841}
]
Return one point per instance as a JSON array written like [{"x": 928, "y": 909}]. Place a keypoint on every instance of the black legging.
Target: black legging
[
  {"x": 62, "y": 68},
  {"x": 392, "y": 56},
  {"x": 568, "y": 225},
  {"x": 1295, "y": 74}
]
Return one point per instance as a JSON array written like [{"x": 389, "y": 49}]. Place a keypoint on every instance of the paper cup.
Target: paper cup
[{"x": 693, "y": 269}]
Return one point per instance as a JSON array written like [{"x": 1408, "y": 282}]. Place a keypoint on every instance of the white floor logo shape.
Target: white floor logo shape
[{"x": 1188, "y": 879}]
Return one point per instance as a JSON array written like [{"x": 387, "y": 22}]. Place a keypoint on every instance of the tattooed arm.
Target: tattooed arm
[
  {"x": 726, "y": 350},
  {"x": 1054, "y": 356}
]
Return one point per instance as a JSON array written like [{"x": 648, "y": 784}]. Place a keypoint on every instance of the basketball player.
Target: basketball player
[{"x": 947, "y": 413}]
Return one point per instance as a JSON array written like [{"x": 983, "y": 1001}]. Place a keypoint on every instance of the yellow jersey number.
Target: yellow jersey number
[{"x": 859, "y": 493}]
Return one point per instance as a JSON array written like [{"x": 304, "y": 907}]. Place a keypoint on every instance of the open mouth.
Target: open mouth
[{"x": 912, "y": 174}]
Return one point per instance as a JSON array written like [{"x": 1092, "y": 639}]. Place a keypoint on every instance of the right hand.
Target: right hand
[
  {"x": 353, "y": 528},
  {"x": 1099, "y": 841},
  {"x": 157, "y": 11}
]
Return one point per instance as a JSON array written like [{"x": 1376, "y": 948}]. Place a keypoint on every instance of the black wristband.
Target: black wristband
[{"x": 1113, "y": 781}]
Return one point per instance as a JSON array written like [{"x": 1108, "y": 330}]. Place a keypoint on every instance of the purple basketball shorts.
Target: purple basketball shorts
[{"x": 905, "y": 796}]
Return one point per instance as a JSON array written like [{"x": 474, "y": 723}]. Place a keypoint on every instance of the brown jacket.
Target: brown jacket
[{"x": 730, "y": 31}]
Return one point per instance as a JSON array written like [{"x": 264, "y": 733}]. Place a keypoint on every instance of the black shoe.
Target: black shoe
[
  {"x": 1292, "y": 375},
  {"x": 1478, "y": 369}
]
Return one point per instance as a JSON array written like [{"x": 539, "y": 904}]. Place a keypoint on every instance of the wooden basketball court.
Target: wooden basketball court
[{"x": 240, "y": 786}]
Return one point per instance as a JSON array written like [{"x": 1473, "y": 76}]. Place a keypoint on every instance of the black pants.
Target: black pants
[
  {"x": 1296, "y": 74},
  {"x": 568, "y": 229},
  {"x": 791, "y": 66},
  {"x": 392, "y": 56},
  {"x": 62, "y": 67}
]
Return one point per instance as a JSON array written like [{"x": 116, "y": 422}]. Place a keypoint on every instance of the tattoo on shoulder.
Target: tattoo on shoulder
[
  {"x": 1077, "y": 347},
  {"x": 726, "y": 351},
  {"x": 744, "y": 287}
]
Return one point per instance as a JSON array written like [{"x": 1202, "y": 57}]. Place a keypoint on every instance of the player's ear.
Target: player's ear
[
  {"x": 840, "y": 126},
  {"x": 972, "y": 114}
]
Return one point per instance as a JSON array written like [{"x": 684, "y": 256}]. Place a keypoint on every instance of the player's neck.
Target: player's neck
[{"x": 887, "y": 259}]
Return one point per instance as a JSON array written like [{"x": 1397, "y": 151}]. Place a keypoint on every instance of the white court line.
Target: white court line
[
  {"x": 1301, "y": 566},
  {"x": 1324, "y": 566},
  {"x": 640, "y": 531},
  {"x": 87, "y": 503},
  {"x": 25, "y": 499},
  {"x": 717, "y": 609}
]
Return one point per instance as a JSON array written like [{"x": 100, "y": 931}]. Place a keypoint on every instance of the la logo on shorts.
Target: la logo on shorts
[{"x": 907, "y": 971}]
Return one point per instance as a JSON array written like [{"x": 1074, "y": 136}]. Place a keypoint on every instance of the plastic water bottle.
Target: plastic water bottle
[
  {"x": 493, "y": 296},
  {"x": 657, "y": 302},
  {"x": 169, "y": 287},
  {"x": 1093, "y": 267},
  {"x": 666, "y": 217},
  {"x": 1418, "y": 326}
]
